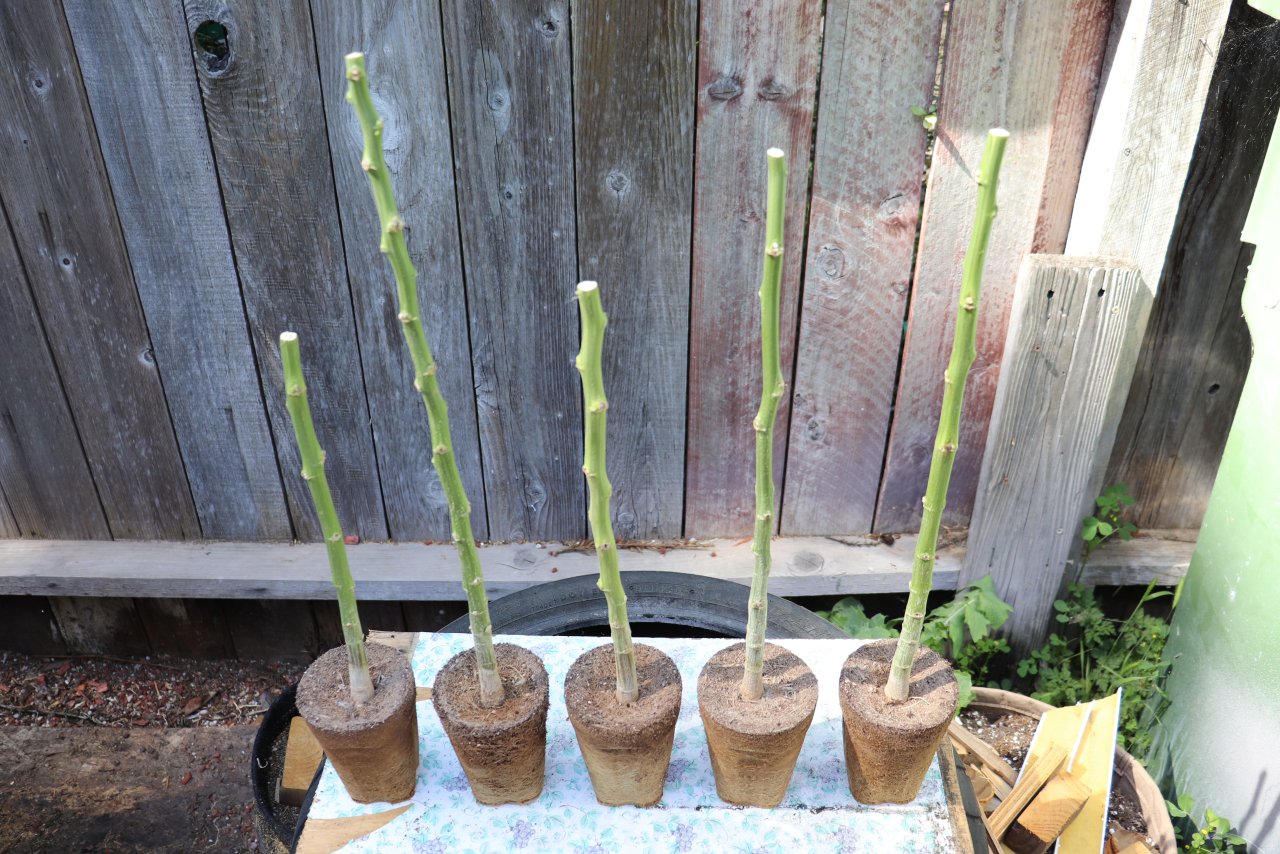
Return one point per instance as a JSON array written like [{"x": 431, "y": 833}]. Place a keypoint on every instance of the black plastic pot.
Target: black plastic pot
[{"x": 697, "y": 605}]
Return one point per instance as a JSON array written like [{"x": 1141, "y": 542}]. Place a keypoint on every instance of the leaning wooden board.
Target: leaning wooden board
[{"x": 818, "y": 801}]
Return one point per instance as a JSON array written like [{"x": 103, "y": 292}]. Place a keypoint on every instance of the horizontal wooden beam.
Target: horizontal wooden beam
[{"x": 803, "y": 566}]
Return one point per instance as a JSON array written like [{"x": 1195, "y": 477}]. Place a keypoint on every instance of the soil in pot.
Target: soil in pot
[
  {"x": 754, "y": 744},
  {"x": 503, "y": 750},
  {"x": 627, "y": 748},
  {"x": 373, "y": 747},
  {"x": 888, "y": 746}
]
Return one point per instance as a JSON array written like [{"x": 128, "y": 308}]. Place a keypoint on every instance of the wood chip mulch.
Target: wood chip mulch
[{"x": 89, "y": 690}]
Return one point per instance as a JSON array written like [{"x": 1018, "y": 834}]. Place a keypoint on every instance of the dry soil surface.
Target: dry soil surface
[{"x": 108, "y": 755}]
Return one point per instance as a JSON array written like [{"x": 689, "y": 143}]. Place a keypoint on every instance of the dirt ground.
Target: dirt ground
[{"x": 108, "y": 755}]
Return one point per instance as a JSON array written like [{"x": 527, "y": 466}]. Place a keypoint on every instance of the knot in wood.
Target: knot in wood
[{"x": 725, "y": 88}]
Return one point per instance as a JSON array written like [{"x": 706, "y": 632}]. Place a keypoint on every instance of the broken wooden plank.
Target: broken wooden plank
[{"x": 1035, "y": 773}]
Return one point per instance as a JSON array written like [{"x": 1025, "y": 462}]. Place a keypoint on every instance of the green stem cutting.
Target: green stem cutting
[
  {"x": 313, "y": 473},
  {"x": 595, "y": 407},
  {"x": 963, "y": 350},
  {"x": 424, "y": 367},
  {"x": 772, "y": 389}
]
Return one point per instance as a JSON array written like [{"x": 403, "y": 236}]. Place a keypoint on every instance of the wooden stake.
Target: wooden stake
[{"x": 1043, "y": 821}]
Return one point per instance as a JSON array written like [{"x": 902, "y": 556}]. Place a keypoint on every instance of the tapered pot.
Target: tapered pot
[
  {"x": 754, "y": 744},
  {"x": 888, "y": 746},
  {"x": 627, "y": 748},
  {"x": 503, "y": 750},
  {"x": 374, "y": 746}
]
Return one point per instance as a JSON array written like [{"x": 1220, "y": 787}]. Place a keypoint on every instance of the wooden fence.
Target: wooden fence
[{"x": 181, "y": 183}]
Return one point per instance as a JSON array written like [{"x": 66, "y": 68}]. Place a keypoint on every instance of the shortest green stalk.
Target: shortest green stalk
[
  {"x": 963, "y": 350},
  {"x": 313, "y": 473},
  {"x": 771, "y": 394},
  {"x": 595, "y": 412}
]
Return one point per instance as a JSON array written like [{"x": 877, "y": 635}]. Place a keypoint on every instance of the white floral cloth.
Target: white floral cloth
[{"x": 818, "y": 813}]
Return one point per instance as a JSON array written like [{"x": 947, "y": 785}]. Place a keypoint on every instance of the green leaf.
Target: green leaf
[
  {"x": 1090, "y": 528},
  {"x": 1175, "y": 810},
  {"x": 919, "y": 112},
  {"x": 1105, "y": 529}
]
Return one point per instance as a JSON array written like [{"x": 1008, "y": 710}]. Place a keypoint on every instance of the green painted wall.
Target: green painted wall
[{"x": 1220, "y": 739}]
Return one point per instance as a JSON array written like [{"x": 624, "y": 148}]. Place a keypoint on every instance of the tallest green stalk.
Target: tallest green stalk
[
  {"x": 963, "y": 350},
  {"x": 771, "y": 392},
  {"x": 424, "y": 368}
]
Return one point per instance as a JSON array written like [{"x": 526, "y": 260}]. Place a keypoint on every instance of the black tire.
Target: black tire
[{"x": 711, "y": 605}]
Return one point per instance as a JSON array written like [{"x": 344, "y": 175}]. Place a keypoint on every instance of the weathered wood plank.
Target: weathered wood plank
[
  {"x": 59, "y": 204},
  {"x": 802, "y": 566},
  {"x": 100, "y": 625},
  {"x": 1082, "y": 63},
  {"x": 266, "y": 121},
  {"x": 385, "y": 615},
  {"x": 156, "y": 149},
  {"x": 1194, "y": 359},
  {"x": 634, "y": 75},
  {"x": 30, "y": 626},
  {"x": 190, "y": 628},
  {"x": 1132, "y": 178},
  {"x": 512, "y": 126},
  {"x": 863, "y": 213},
  {"x": 424, "y": 576},
  {"x": 47, "y": 489},
  {"x": 1160, "y": 556},
  {"x": 8, "y": 524},
  {"x": 272, "y": 630},
  {"x": 1073, "y": 341},
  {"x": 1004, "y": 67},
  {"x": 406, "y": 67},
  {"x": 757, "y": 82}
]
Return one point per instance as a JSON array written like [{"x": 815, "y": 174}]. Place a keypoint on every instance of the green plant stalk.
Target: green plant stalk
[
  {"x": 963, "y": 350},
  {"x": 771, "y": 392},
  {"x": 595, "y": 409},
  {"x": 313, "y": 473},
  {"x": 424, "y": 368}
]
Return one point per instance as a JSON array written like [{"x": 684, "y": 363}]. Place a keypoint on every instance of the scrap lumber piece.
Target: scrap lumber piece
[
  {"x": 1042, "y": 822},
  {"x": 302, "y": 757},
  {"x": 1033, "y": 778},
  {"x": 979, "y": 748}
]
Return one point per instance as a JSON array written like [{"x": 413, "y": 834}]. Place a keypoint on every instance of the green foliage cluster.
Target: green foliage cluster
[
  {"x": 962, "y": 630},
  {"x": 1211, "y": 836},
  {"x": 1094, "y": 655},
  {"x": 1108, "y": 522}
]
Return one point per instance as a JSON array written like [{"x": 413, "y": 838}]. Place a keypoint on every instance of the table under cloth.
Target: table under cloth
[{"x": 818, "y": 813}]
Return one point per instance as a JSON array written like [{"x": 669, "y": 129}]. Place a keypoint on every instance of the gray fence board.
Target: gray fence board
[
  {"x": 59, "y": 204},
  {"x": 867, "y": 169},
  {"x": 509, "y": 98},
  {"x": 266, "y": 121},
  {"x": 754, "y": 92},
  {"x": 46, "y": 489},
  {"x": 1007, "y": 64},
  {"x": 1073, "y": 341},
  {"x": 1196, "y": 353},
  {"x": 406, "y": 70},
  {"x": 151, "y": 129},
  {"x": 634, "y": 156}
]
